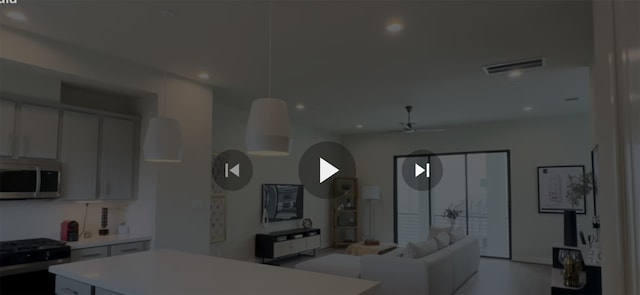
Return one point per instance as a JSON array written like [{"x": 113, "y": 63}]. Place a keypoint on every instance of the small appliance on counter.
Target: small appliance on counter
[
  {"x": 104, "y": 222},
  {"x": 69, "y": 231}
]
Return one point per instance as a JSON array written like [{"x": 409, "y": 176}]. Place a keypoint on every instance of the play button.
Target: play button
[
  {"x": 231, "y": 170},
  {"x": 327, "y": 170},
  {"x": 321, "y": 164}
]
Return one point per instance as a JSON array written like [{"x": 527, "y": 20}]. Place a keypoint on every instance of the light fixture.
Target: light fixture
[
  {"x": 203, "y": 75},
  {"x": 394, "y": 26},
  {"x": 16, "y": 15},
  {"x": 527, "y": 109},
  {"x": 300, "y": 107},
  {"x": 370, "y": 193},
  {"x": 514, "y": 73},
  {"x": 267, "y": 132},
  {"x": 359, "y": 126},
  {"x": 163, "y": 141}
]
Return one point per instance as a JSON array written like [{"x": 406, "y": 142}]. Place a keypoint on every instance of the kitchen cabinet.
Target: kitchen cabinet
[
  {"x": 72, "y": 287},
  {"x": 107, "y": 248},
  {"x": 117, "y": 159},
  {"x": 28, "y": 131},
  {"x": 97, "y": 154},
  {"x": 89, "y": 253},
  {"x": 79, "y": 155},
  {"x": 127, "y": 248},
  {"x": 7, "y": 124}
]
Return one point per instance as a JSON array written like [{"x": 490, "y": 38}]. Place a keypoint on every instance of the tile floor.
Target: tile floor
[{"x": 494, "y": 276}]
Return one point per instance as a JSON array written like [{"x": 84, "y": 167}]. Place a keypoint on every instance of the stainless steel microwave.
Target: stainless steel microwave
[{"x": 29, "y": 179}]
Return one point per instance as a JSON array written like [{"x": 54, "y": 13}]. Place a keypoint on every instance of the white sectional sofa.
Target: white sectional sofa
[{"x": 441, "y": 272}]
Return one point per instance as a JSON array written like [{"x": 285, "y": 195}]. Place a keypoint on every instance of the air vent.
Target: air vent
[{"x": 514, "y": 65}]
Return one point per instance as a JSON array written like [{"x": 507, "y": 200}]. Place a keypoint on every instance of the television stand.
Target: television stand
[{"x": 280, "y": 244}]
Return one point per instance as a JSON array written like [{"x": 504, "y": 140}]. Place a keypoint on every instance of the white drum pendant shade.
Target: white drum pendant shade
[
  {"x": 163, "y": 141},
  {"x": 268, "y": 131}
]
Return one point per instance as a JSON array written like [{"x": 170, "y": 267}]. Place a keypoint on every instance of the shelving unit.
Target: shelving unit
[{"x": 344, "y": 211}]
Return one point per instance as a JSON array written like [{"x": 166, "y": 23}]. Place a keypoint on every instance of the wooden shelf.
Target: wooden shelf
[{"x": 345, "y": 193}]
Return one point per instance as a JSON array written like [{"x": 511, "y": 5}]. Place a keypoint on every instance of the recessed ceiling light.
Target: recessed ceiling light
[
  {"x": 394, "y": 27},
  {"x": 299, "y": 107},
  {"x": 514, "y": 73},
  {"x": 527, "y": 109},
  {"x": 167, "y": 13},
  {"x": 203, "y": 75},
  {"x": 15, "y": 15},
  {"x": 359, "y": 126}
]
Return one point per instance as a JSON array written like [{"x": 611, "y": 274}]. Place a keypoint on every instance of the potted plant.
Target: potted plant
[
  {"x": 579, "y": 187},
  {"x": 452, "y": 213}
]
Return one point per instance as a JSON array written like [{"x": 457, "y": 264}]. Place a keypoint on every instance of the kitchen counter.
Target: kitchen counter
[
  {"x": 97, "y": 241},
  {"x": 174, "y": 272}
]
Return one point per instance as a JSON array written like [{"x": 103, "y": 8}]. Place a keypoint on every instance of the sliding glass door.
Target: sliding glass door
[{"x": 475, "y": 183}]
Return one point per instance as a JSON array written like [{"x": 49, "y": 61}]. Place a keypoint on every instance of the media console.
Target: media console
[{"x": 279, "y": 244}]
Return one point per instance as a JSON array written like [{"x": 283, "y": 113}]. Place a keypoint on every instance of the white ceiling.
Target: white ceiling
[{"x": 337, "y": 58}]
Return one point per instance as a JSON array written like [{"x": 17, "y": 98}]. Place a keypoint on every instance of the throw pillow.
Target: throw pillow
[
  {"x": 456, "y": 235},
  {"x": 435, "y": 230},
  {"x": 420, "y": 249},
  {"x": 442, "y": 239}
]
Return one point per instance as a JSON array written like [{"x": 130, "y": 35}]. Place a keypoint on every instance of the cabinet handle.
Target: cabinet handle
[
  {"x": 91, "y": 255},
  {"x": 70, "y": 291},
  {"x": 129, "y": 250}
]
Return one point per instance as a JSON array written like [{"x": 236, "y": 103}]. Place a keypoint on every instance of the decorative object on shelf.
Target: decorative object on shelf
[
  {"x": 573, "y": 264},
  {"x": 570, "y": 228},
  {"x": 307, "y": 223},
  {"x": 344, "y": 211},
  {"x": 268, "y": 132},
  {"x": 346, "y": 188},
  {"x": 562, "y": 188},
  {"x": 452, "y": 213},
  {"x": 163, "y": 140},
  {"x": 370, "y": 193},
  {"x": 218, "y": 219},
  {"x": 104, "y": 222}
]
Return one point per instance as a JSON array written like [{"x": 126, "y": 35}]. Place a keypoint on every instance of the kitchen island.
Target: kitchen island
[{"x": 174, "y": 272}]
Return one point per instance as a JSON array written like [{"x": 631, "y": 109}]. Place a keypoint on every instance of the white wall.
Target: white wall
[
  {"x": 170, "y": 188},
  {"x": 532, "y": 142},
  {"x": 244, "y": 206}
]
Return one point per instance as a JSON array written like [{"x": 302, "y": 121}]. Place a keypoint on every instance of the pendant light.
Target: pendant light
[
  {"x": 163, "y": 141},
  {"x": 268, "y": 132}
]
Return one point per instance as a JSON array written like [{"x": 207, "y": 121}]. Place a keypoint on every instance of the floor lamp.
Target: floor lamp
[{"x": 370, "y": 193}]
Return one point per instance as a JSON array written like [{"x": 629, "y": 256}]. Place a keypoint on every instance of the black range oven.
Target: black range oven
[{"x": 24, "y": 265}]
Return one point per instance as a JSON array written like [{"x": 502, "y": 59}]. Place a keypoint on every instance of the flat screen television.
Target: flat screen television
[{"x": 282, "y": 201}]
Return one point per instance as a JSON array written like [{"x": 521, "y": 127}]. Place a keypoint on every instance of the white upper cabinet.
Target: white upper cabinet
[
  {"x": 79, "y": 155},
  {"x": 7, "y": 121},
  {"x": 38, "y": 131},
  {"x": 117, "y": 159}
]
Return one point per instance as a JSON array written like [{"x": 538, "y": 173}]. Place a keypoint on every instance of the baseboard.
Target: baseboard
[{"x": 536, "y": 260}]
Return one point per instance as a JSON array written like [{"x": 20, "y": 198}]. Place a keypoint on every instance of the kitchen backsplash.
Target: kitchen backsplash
[{"x": 23, "y": 219}]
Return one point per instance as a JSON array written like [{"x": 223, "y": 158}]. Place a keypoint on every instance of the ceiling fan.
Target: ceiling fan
[{"x": 410, "y": 127}]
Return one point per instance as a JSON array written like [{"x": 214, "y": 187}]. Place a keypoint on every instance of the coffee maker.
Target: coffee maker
[{"x": 69, "y": 231}]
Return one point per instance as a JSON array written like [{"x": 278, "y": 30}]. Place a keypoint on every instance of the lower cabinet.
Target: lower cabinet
[
  {"x": 106, "y": 251},
  {"x": 66, "y": 286},
  {"x": 283, "y": 243}
]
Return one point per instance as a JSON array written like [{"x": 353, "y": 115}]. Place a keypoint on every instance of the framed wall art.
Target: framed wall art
[{"x": 554, "y": 194}]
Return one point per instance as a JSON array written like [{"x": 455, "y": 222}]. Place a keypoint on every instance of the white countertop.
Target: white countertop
[
  {"x": 97, "y": 241},
  {"x": 174, "y": 272}
]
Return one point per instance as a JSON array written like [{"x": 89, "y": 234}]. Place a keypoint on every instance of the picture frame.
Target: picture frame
[
  {"x": 218, "y": 219},
  {"x": 553, "y": 183},
  {"x": 594, "y": 169}
]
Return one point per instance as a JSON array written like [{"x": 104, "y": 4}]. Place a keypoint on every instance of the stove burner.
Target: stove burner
[{"x": 29, "y": 245}]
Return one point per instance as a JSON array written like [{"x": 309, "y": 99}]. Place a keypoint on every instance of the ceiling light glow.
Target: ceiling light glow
[
  {"x": 394, "y": 27},
  {"x": 299, "y": 107},
  {"x": 15, "y": 15},
  {"x": 515, "y": 74},
  {"x": 203, "y": 75},
  {"x": 359, "y": 126},
  {"x": 527, "y": 109}
]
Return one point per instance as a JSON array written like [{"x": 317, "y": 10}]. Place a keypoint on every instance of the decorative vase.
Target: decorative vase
[{"x": 573, "y": 265}]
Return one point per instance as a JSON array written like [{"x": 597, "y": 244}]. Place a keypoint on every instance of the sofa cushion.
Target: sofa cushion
[
  {"x": 436, "y": 229},
  {"x": 420, "y": 249},
  {"x": 442, "y": 239},
  {"x": 456, "y": 235}
]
